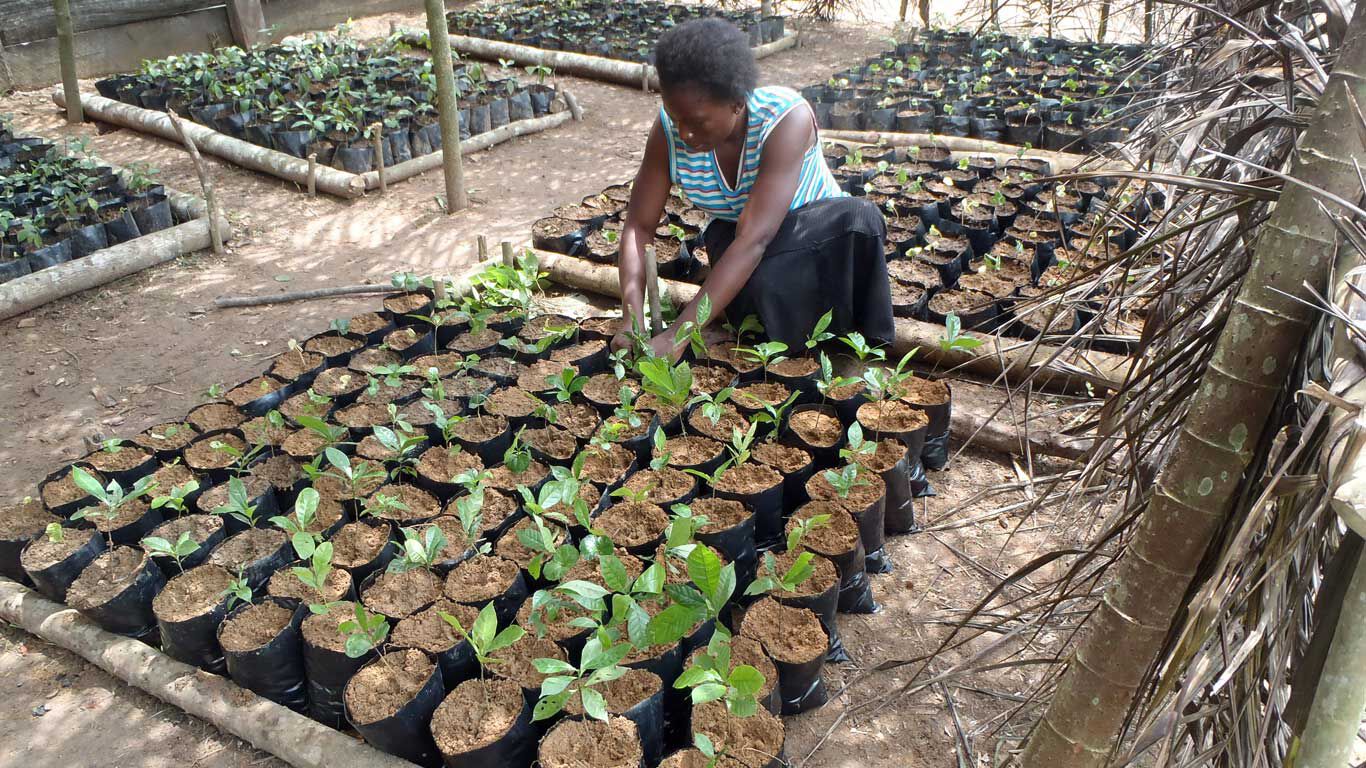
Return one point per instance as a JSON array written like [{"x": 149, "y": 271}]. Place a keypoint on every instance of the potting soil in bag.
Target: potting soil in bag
[
  {"x": 404, "y": 733},
  {"x": 327, "y": 667},
  {"x": 275, "y": 669},
  {"x": 189, "y": 611}
]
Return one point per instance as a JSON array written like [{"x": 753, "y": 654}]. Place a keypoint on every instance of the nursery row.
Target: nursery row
[
  {"x": 608, "y": 28},
  {"x": 477, "y": 537},
  {"x": 969, "y": 237},
  {"x": 1041, "y": 92},
  {"x": 59, "y": 204},
  {"x": 321, "y": 95}
]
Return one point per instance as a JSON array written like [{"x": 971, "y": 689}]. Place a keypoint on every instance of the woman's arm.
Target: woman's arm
[
  {"x": 648, "y": 196},
  {"x": 780, "y": 170}
]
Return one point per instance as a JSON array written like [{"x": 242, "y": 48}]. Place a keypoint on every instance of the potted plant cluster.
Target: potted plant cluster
[
  {"x": 59, "y": 203},
  {"x": 624, "y": 31},
  {"x": 321, "y": 95},
  {"x": 1056, "y": 94}
]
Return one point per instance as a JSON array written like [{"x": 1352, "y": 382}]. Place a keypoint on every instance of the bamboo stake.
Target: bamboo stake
[
  {"x": 66, "y": 54},
  {"x": 313, "y": 174},
  {"x": 377, "y": 137},
  {"x": 205, "y": 182},
  {"x": 652, "y": 291},
  {"x": 453, "y": 167}
]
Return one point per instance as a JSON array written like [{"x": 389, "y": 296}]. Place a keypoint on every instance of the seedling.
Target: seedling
[
  {"x": 517, "y": 457},
  {"x": 299, "y": 527},
  {"x": 711, "y": 406},
  {"x": 692, "y": 331},
  {"x": 470, "y": 509},
  {"x": 828, "y": 380},
  {"x": 356, "y": 477},
  {"x": 239, "y": 505},
  {"x": 773, "y": 415},
  {"x": 176, "y": 499},
  {"x": 331, "y": 434},
  {"x": 769, "y": 580},
  {"x": 765, "y": 354},
  {"x": 712, "y": 678},
  {"x": 550, "y": 559},
  {"x": 238, "y": 591},
  {"x": 240, "y": 460},
  {"x": 365, "y": 633},
  {"x": 567, "y": 384},
  {"x": 749, "y": 326},
  {"x": 856, "y": 342},
  {"x": 181, "y": 549},
  {"x": 441, "y": 421},
  {"x": 856, "y": 445},
  {"x": 318, "y": 557},
  {"x": 819, "y": 334},
  {"x": 600, "y": 664},
  {"x": 403, "y": 444},
  {"x": 382, "y": 505},
  {"x": 659, "y": 457},
  {"x": 55, "y": 533},
  {"x": 670, "y": 383},
  {"x": 484, "y": 637},
  {"x": 421, "y": 549},
  {"x": 633, "y": 496},
  {"x": 845, "y": 480},
  {"x": 803, "y": 528},
  {"x": 111, "y": 497},
  {"x": 953, "y": 338},
  {"x": 739, "y": 446}
]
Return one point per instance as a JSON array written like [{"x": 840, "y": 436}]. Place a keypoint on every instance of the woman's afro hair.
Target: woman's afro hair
[{"x": 710, "y": 54}]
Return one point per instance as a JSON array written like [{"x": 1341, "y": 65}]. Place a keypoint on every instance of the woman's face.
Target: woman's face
[{"x": 702, "y": 122}]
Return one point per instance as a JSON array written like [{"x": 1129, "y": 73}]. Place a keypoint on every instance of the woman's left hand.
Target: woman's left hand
[{"x": 664, "y": 346}]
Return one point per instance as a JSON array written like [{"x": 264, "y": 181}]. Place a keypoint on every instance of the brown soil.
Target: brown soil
[
  {"x": 444, "y": 463},
  {"x": 743, "y": 651},
  {"x": 886, "y": 455},
  {"x": 403, "y": 303},
  {"x": 922, "y": 391},
  {"x": 200, "y": 527},
  {"x": 515, "y": 660},
  {"x": 400, "y": 339},
  {"x": 752, "y": 741},
  {"x": 784, "y": 458},
  {"x": 254, "y": 627},
  {"x": 823, "y": 575},
  {"x": 333, "y": 346},
  {"x": 356, "y": 544},
  {"x": 305, "y": 443},
  {"x": 169, "y": 476},
  {"x": 259, "y": 431},
  {"x": 914, "y": 272},
  {"x": 622, "y": 430},
  {"x": 538, "y": 375},
  {"x": 469, "y": 341},
  {"x": 576, "y": 352},
  {"x": 606, "y": 388},
  {"x": 557, "y": 629},
  {"x": 24, "y": 518},
  {"x": 724, "y": 427},
  {"x": 606, "y": 466},
  {"x": 724, "y": 352},
  {"x": 633, "y": 525},
  {"x": 293, "y": 364},
  {"x": 427, "y": 631},
  {"x": 211, "y": 417},
  {"x": 247, "y": 547},
  {"x": 217, "y": 496},
  {"x": 335, "y": 382},
  {"x": 445, "y": 363},
  {"x": 130, "y": 512},
  {"x": 839, "y": 534},
  {"x": 480, "y": 428},
  {"x": 511, "y": 403},
  {"x": 302, "y": 405},
  {"x": 591, "y": 744},
  {"x": 771, "y": 392},
  {"x": 367, "y": 323},
  {"x": 337, "y": 488},
  {"x": 789, "y": 635},
  {"x": 202, "y": 455},
  {"x": 362, "y": 415},
  {"x": 328, "y": 513},
  {"x": 397, "y": 595},
  {"x": 891, "y": 417},
  {"x": 170, "y": 436},
  {"x": 846, "y": 391},
  {"x": 554, "y": 442},
  {"x": 959, "y": 301},
  {"x": 385, "y": 394},
  {"x": 370, "y": 360},
  {"x": 384, "y": 686},
  {"x": 420, "y": 504},
  {"x": 691, "y": 450},
  {"x": 497, "y": 507},
  {"x": 750, "y": 477},
  {"x": 504, "y": 479},
  {"x": 621, "y": 694},
  {"x": 579, "y": 419},
  {"x": 500, "y": 367},
  {"x": 44, "y": 552},
  {"x": 63, "y": 491},
  {"x": 252, "y": 389},
  {"x": 817, "y": 428},
  {"x": 721, "y": 514},
  {"x": 665, "y": 485},
  {"x": 283, "y": 583},
  {"x": 860, "y": 496},
  {"x": 796, "y": 367},
  {"x": 511, "y": 547},
  {"x": 606, "y": 326},
  {"x": 321, "y": 629},
  {"x": 281, "y": 472},
  {"x": 476, "y": 714},
  {"x": 124, "y": 458},
  {"x": 193, "y": 593},
  {"x": 106, "y": 577},
  {"x": 711, "y": 378},
  {"x": 648, "y": 403}
]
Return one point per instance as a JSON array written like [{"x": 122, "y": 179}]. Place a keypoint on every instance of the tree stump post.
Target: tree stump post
[
  {"x": 452, "y": 163},
  {"x": 66, "y": 54}
]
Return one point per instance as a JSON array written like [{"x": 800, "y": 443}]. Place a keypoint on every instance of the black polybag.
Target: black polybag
[
  {"x": 407, "y": 732},
  {"x": 275, "y": 670}
]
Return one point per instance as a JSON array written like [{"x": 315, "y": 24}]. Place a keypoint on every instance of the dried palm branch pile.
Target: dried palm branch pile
[{"x": 1209, "y": 584}]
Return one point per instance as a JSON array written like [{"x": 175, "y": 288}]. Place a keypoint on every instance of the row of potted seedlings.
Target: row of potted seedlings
[
  {"x": 614, "y": 30},
  {"x": 473, "y": 535},
  {"x": 321, "y": 95},
  {"x": 57, "y": 203},
  {"x": 1047, "y": 93}
]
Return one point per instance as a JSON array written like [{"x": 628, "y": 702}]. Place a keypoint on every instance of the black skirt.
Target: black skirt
[{"x": 827, "y": 255}]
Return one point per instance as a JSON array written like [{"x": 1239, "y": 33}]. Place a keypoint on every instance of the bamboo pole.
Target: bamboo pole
[
  {"x": 448, "y": 112},
  {"x": 1206, "y": 465},
  {"x": 235, "y": 151},
  {"x": 205, "y": 181},
  {"x": 66, "y": 54}
]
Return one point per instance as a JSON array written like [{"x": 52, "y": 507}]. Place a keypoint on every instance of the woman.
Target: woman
[{"x": 785, "y": 242}]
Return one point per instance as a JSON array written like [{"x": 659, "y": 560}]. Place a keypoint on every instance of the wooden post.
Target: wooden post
[
  {"x": 483, "y": 242},
  {"x": 645, "y": 77},
  {"x": 206, "y": 183},
  {"x": 1149, "y": 8},
  {"x": 247, "y": 22},
  {"x": 66, "y": 53},
  {"x": 440, "y": 41},
  {"x": 652, "y": 291},
  {"x": 573, "y": 104},
  {"x": 377, "y": 136},
  {"x": 313, "y": 174},
  {"x": 509, "y": 260}
]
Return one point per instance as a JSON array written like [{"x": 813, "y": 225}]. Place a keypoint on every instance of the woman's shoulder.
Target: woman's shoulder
[{"x": 774, "y": 99}]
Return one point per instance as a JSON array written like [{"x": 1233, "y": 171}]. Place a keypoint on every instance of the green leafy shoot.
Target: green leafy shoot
[
  {"x": 712, "y": 678},
  {"x": 55, "y": 533},
  {"x": 111, "y": 497},
  {"x": 484, "y": 637},
  {"x": 318, "y": 558},
  {"x": 856, "y": 342},
  {"x": 765, "y": 354},
  {"x": 181, "y": 549},
  {"x": 769, "y": 580},
  {"x": 683, "y": 526},
  {"x": 856, "y": 445},
  {"x": 600, "y": 664},
  {"x": 364, "y": 633},
  {"x": 954, "y": 339},
  {"x": 517, "y": 457},
  {"x": 300, "y": 525},
  {"x": 670, "y": 383},
  {"x": 803, "y": 528},
  {"x": 238, "y": 591},
  {"x": 845, "y": 480},
  {"x": 239, "y": 504},
  {"x": 176, "y": 498},
  {"x": 819, "y": 334},
  {"x": 421, "y": 549}
]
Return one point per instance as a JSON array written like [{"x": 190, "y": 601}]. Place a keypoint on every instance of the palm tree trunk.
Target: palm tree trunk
[
  {"x": 1225, "y": 423},
  {"x": 1341, "y": 695}
]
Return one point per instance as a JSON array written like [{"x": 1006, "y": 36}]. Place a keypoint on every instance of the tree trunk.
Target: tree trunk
[
  {"x": 1341, "y": 694},
  {"x": 447, "y": 111},
  {"x": 66, "y": 55},
  {"x": 901, "y": 14},
  {"x": 925, "y": 13},
  {"x": 1227, "y": 416},
  {"x": 1104, "y": 23},
  {"x": 1149, "y": 8}
]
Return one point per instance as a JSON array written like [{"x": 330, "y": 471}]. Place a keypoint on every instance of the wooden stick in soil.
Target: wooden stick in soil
[
  {"x": 205, "y": 182},
  {"x": 652, "y": 292},
  {"x": 313, "y": 174},
  {"x": 377, "y": 137},
  {"x": 573, "y": 103},
  {"x": 288, "y": 735},
  {"x": 224, "y": 302},
  {"x": 453, "y": 168},
  {"x": 509, "y": 260},
  {"x": 483, "y": 243},
  {"x": 66, "y": 54}
]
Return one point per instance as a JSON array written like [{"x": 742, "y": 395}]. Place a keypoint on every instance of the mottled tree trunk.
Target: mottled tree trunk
[
  {"x": 1226, "y": 419},
  {"x": 447, "y": 112}
]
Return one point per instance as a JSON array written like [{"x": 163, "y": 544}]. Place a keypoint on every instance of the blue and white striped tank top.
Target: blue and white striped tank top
[{"x": 700, "y": 177}]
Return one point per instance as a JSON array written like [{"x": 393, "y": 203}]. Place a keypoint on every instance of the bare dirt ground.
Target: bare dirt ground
[{"x": 116, "y": 360}]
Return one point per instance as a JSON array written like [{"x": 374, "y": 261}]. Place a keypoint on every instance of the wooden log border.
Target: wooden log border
[{"x": 295, "y": 169}]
